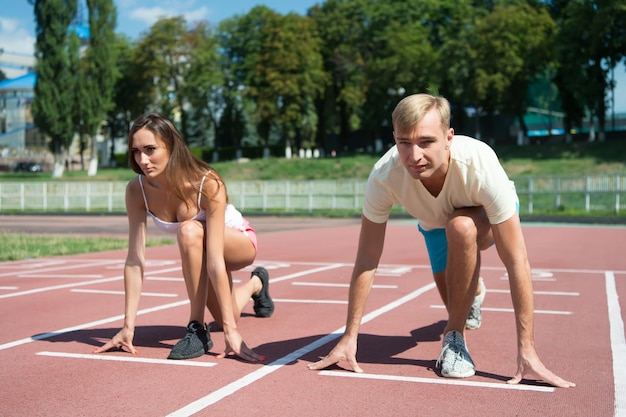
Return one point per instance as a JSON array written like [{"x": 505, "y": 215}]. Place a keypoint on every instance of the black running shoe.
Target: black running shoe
[
  {"x": 196, "y": 342},
  {"x": 263, "y": 304}
]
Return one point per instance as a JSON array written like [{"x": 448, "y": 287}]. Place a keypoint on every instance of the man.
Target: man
[{"x": 464, "y": 202}]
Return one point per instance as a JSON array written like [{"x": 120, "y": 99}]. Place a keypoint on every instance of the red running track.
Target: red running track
[{"x": 55, "y": 311}]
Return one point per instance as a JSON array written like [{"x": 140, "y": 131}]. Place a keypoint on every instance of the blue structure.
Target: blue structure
[{"x": 16, "y": 97}]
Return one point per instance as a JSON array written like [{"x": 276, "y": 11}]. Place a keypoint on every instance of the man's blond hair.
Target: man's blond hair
[{"x": 411, "y": 110}]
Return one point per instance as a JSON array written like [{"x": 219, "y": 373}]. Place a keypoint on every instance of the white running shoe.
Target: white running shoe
[
  {"x": 474, "y": 318},
  {"x": 454, "y": 359}
]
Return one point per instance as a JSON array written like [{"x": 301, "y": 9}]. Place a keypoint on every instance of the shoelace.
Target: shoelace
[{"x": 456, "y": 349}]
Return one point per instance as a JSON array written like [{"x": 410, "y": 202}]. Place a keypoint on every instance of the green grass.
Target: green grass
[{"x": 15, "y": 247}]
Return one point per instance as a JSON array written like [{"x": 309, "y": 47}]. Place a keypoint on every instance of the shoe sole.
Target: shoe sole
[{"x": 458, "y": 375}]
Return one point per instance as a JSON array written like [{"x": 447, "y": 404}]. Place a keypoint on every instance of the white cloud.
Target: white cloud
[
  {"x": 15, "y": 38},
  {"x": 149, "y": 15}
]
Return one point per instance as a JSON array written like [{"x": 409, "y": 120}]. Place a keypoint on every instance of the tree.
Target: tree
[
  {"x": 162, "y": 58},
  {"x": 399, "y": 58},
  {"x": 276, "y": 63},
  {"x": 513, "y": 45},
  {"x": 591, "y": 41},
  {"x": 53, "y": 103},
  {"x": 127, "y": 95},
  {"x": 98, "y": 74},
  {"x": 204, "y": 84},
  {"x": 339, "y": 25}
]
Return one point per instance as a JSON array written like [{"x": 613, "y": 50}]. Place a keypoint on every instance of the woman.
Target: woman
[{"x": 184, "y": 195}]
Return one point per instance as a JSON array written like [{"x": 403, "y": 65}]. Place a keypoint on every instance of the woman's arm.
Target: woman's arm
[
  {"x": 135, "y": 258},
  {"x": 133, "y": 269},
  {"x": 215, "y": 208}
]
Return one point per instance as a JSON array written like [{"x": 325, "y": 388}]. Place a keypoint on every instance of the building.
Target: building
[{"x": 17, "y": 131}]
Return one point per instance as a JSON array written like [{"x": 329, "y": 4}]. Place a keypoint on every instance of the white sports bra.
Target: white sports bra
[{"x": 232, "y": 218}]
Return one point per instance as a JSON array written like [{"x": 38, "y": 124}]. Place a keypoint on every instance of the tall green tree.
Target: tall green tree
[
  {"x": 277, "y": 64},
  {"x": 400, "y": 59},
  {"x": 513, "y": 44},
  {"x": 98, "y": 74},
  {"x": 339, "y": 25},
  {"x": 591, "y": 41},
  {"x": 53, "y": 103},
  {"x": 162, "y": 59},
  {"x": 127, "y": 97},
  {"x": 452, "y": 23},
  {"x": 204, "y": 85}
]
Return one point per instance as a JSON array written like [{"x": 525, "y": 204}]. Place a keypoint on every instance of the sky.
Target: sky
[{"x": 17, "y": 26}]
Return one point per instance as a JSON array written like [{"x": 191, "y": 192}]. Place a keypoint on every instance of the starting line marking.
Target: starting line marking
[
  {"x": 101, "y": 357},
  {"x": 143, "y": 294},
  {"x": 564, "y": 293},
  {"x": 328, "y": 284},
  {"x": 510, "y": 310},
  {"x": 77, "y": 276},
  {"x": 440, "y": 381},
  {"x": 287, "y": 300}
]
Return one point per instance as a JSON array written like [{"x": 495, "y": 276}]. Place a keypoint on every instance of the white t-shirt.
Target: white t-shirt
[{"x": 475, "y": 178}]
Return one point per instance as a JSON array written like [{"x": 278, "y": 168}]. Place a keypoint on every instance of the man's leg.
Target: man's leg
[
  {"x": 468, "y": 231},
  {"x": 437, "y": 246}
]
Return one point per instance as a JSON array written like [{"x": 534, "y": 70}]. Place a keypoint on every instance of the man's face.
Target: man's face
[{"x": 424, "y": 150}]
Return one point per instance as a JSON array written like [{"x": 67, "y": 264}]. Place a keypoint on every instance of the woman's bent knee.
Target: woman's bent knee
[{"x": 189, "y": 232}]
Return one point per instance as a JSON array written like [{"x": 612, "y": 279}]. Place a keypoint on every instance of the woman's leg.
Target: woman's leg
[
  {"x": 191, "y": 247},
  {"x": 238, "y": 253}
]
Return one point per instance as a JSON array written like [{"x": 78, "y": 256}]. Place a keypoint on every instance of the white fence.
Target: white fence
[{"x": 600, "y": 193}]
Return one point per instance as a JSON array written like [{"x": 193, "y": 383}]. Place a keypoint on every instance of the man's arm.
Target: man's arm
[
  {"x": 370, "y": 248},
  {"x": 511, "y": 248}
]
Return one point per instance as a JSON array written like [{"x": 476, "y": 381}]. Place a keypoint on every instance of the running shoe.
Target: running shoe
[
  {"x": 263, "y": 304},
  {"x": 474, "y": 318},
  {"x": 197, "y": 342},
  {"x": 454, "y": 359}
]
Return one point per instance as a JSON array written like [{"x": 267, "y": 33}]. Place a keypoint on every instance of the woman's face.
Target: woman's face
[{"x": 149, "y": 152}]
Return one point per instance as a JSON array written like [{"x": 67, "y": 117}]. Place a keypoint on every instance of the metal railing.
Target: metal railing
[{"x": 588, "y": 193}]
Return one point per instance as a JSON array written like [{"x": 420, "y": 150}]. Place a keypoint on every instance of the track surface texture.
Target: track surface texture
[{"x": 56, "y": 310}]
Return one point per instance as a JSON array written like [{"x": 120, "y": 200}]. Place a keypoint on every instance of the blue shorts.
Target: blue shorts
[{"x": 437, "y": 246}]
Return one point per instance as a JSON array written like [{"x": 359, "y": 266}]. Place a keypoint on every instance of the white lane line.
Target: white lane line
[
  {"x": 288, "y": 300},
  {"x": 143, "y": 294},
  {"x": 181, "y": 279},
  {"x": 618, "y": 344},
  {"x": 58, "y": 276},
  {"x": 60, "y": 287},
  {"x": 88, "y": 325},
  {"x": 62, "y": 267},
  {"x": 440, "y": 381},
  {"x": 510, "y": 310},
  {"x": 75, "y": 284},
  {"x": 329, "y": 284},
  {"x": 246, "y": 380},
  {"x": 101, "y": 357},
  {"x": 564, "y": 293},
  {"x": 8, "y": 288},
  {"x": 307, "y": 272}
]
